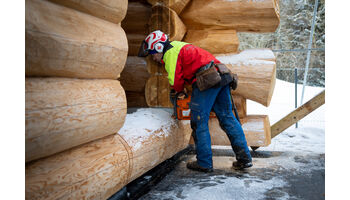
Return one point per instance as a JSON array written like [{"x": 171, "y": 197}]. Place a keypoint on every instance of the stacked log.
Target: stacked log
[
  {"x": 242, "y": 16},
  {"x": 98, "y": 169},
  {"x": 74, "y": 106},
  {"x": 62, "y": 113},
  {"x": 68, "y": 43},
  {"x": 133, "y": 79}
]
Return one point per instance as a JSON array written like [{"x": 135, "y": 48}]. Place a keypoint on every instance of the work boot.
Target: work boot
[
  {"x": 241, "y": 165},
  {"x": 193, "y": 165}
]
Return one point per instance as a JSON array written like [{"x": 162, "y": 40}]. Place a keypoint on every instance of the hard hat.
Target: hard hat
[{"x": 154, "y": 43}]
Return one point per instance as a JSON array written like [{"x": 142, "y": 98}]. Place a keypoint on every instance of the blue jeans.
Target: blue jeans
[{"x": 218, "y": 99}]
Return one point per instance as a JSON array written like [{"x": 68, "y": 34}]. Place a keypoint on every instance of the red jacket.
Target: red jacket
[{"x": 189, "y": 60}]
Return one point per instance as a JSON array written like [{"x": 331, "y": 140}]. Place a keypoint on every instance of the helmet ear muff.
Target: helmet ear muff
[{"x": 159, "y": 47}]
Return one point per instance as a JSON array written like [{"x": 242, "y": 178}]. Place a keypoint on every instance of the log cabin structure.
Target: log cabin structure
[{"x": 82, "y": 74}]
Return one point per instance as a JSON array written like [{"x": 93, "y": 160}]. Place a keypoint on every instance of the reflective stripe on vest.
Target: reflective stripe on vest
[{"x": 170, "y": 59}]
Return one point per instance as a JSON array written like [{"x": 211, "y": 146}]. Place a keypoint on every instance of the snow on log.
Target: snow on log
[
  {"x": 256, "y": 73},
  {"x": 166, "y": 20},
  {"x": 62, "y": 113},
  {"x": 243, "y": 16},
  {"x": 95, "y": 170},
  {"x": 111, "y": 10},
  {"x": 135, "y": 75},
  {"x": 62, "y": 42},
  {"x": 256, "y": 128},
  {"x": 176, "y": 5},
  {"x": 98, "y": 169},
  {"x": 153, "y": 137},
  {"x": 214, "y": 41}
]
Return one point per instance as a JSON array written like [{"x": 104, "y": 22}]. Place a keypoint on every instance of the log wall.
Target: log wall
[
  {"x": 62, "y": 113},
  {"x": 62, "y": 42}
]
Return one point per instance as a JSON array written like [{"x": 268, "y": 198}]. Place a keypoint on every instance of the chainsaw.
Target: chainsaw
[{"x": 182, "y": 109}]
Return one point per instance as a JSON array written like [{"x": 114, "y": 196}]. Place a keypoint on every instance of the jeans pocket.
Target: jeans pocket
[{"x": 196, "y": 115}]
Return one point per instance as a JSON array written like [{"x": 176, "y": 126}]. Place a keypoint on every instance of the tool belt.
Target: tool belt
[{"x": 208, "y": 77}]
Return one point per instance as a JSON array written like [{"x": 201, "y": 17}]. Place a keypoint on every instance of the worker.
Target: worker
[{"x": 183, "y": 62}]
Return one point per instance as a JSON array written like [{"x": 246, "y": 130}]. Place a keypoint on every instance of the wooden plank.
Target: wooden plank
[
  {"x": 62, "y": 113},
  {"x": 298, "y": 114},
  {"x": 62, "y": 42},
  {"x": 256, "y": 129}
]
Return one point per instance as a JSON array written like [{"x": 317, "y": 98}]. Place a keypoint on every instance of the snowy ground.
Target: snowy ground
[{"x": 292, "y": 167}]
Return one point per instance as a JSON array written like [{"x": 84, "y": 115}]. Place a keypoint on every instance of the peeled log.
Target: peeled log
[
  {"x": 135, "y": 75},
  {"x": 153, "y": 137},
  {"x": 157, "y": 92},
  {"x": 136, "y": 19},
  {"x": 256, "y": 77},
  {"x": 176, "y": 5},
  {"x": 62, "y": 113},
  {"x": 111, "y": 10},
  {"x": 165, "y": 19},
  {"x": 214, "y": 41},
  {"x": 98, "y": 169},
  {"x": 134, "y": 42},
  {"x": 256, "y": 128},
  {"x": 62, "y": 42},
  {"x": 95, "y": 170},
  {"x": 243, "y": 16}
]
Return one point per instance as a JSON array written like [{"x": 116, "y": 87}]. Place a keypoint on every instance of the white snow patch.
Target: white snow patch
[
  {"x": 249, "y": 57},
  {"x": 146, "y": 122},
  {"x": 310, "y": 134},
  {"x": 230, "y": 188}
]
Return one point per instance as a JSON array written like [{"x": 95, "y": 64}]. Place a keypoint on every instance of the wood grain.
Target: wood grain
[
  {"x": 95, "y": 170},
  {"x": 243, "y": 16},
  {"x": 214, "y": 41},
  {"x": 166, "y": 20},
  {"x": 135, "y": 75},
  {"x": 62, "y": 42},
  {"x": 110, "y": 10},
  {"x": 62, "y": 113}
]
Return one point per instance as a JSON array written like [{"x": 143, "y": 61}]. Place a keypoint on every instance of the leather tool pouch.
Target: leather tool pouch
[
  {"x": 207, "y": 78},
  {"x": 227, "y": 76}
]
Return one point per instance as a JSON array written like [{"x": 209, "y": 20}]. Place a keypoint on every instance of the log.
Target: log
[
  {"x": 157, "y": 92},
  {"x": 100, "y": 168},
  {"x": 136, "y": 99},
  {"x": 110, "y": 10},
  {"x": 165, "y": 19},
  {"x": 62, "y": 113},
  {"x": 255, "y": 127},
  {"x": 176, "y": 5},
  {"x": 256, "y": 77},
  {"x": 62, "y": 42},
  {"x": 136, "y": 19},
  {"x": 155, "y": 68},
  {"x": 241, "y": 105},
  {"x": 243, "y": 16},
  {"x": 135, "y": 75},
  {"x": 95, "y": 170},
  {"x": 134, "y": 42},
  {"x": 214, "y": 41},
  {"x": 153, "y": 137}
]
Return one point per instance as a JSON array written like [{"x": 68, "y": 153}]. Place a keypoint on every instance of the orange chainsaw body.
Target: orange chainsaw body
[{"x": 183, "y": 109}]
